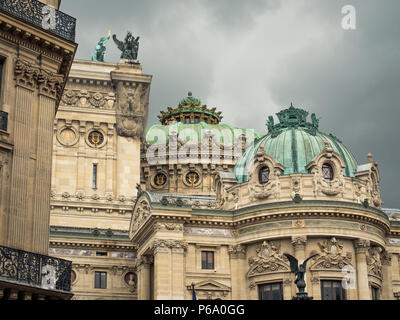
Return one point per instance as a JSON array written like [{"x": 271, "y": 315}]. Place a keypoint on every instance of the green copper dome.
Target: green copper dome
[
  {"x": 294, "y": 143},
  {"x": 192, "y": 122},
  {"x": 195, "y": 132}
]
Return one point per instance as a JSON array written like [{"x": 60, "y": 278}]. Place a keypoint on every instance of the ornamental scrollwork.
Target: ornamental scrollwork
[
  {"x": 48, "y": 83},
  {"x": 331, "y": 256},
  {"x": 141, "y": 213},
  {"x": 268, "y": 260},
  {"x": 168, "y": 244}
]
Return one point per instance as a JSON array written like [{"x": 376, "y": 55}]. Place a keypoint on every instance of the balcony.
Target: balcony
[
  {"x": 31, "y": 11},
  {"x": 27, "y": 272}
]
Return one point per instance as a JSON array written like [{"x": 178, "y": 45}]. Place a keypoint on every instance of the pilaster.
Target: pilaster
[{"x": 361, "y": 247}]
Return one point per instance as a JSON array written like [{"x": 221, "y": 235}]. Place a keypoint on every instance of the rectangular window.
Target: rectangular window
[
  {"x": 100, "y": 280},
  {"x": 332, "y": 290},
  {"x": 101, "y": 254},
  {"x": 270, "y": 291},
  {"x": 95, "y": 176},
  {"x": 207, "y": 260}
]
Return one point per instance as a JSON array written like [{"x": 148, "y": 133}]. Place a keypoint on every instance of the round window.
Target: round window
[
  {"x": 96, "y": 138},
  {"x": 263, "y": 175},
  {"x": 327, "y": 171},
  {"x": 160, "y": 179},
  {"x": 192, "y": 178}
]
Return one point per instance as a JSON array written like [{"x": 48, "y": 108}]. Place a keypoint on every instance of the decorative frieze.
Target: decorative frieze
[
  {"x": 162, "y": 244},
  {"x": 374, "y": 261}
]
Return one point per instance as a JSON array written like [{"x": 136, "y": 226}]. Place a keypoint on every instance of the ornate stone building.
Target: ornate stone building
[
  {"x": 35, "y": 59},
  {"x": 193, "y": 203},
  {"x": 96, "y": 166},
  {"x": 295, "y": 190}
]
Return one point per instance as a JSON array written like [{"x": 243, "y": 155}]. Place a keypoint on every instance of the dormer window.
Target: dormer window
[
  {"x": 263, "y": 175},
  {"x": 327, "y": 171}
]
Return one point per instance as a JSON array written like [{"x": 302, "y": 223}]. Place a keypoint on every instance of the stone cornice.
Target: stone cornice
[{"x": 86, "y": 245}]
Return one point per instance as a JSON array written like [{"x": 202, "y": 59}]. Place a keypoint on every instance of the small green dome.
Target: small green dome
[
  {"x": 294, "y": 143},
  {"x": 195, "y": 132}
]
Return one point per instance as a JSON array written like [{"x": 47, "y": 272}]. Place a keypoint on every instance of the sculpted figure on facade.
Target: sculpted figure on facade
[
  {"x": 140, "y": 214},
  {"x": 268, "y": 259},
  {"x": 131, "y": 106},
  {"x": 327, "y": 170},
  {"x": 374, "y": 261},
  {"x": 331, "y": 256},
  {"x": 263, "y": 185}
]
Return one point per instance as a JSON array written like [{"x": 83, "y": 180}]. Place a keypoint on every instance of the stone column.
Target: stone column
[
  {"x": 41, "y": 212},
  {"x": 237, "y": 255},
  {"x": 387, "y": 288},
  {"x": 288, "y": 289},
  {"x": 144, "y": 281},
  {"x": 20, "y": 169},
  {"x": 178, "y": 287},
  {"x": 361, "y": 248},
  {"x": 299, "y": 246},
  {"x": 168, "y": 284}
]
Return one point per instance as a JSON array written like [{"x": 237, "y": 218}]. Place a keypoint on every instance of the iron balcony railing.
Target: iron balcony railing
[
  {"x": 35, "y": 269},
  {"x": 39, "y": 14},
  {"x": 3, "y": 120}
]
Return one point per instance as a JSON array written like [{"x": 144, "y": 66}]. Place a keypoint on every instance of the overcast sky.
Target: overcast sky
[{"x": 250, "y": 59}]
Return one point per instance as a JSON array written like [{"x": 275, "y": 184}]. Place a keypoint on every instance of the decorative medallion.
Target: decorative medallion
[
  {"x": 160, "y": 179},
  {"x": 67, "y": 136},
  {"x": 95, "y": 138},
  {"x": 192, "y": 178}
]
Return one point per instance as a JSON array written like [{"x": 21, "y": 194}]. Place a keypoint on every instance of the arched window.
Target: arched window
[
  {"x": 327, "y": 171},
  {"x": 263, "y": 175}
]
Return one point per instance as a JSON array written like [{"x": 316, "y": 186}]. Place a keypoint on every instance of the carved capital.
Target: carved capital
[
  {"x": 237, "y": 252},
  {"x": 164, "y": 245},
  {"x": 299, "y": 242},
  {"x": 361, "y": 246}
]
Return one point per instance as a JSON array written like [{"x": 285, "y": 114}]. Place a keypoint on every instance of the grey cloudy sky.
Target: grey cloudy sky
[{"x": 251, "y": 59}]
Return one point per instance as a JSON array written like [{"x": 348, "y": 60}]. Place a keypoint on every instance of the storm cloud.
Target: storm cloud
[{"x": 251, "y": 59}]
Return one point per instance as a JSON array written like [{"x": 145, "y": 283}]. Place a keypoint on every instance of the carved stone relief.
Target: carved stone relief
[
  {"x": 331, "y": 256},
  {"x": 268, "y": 260}
]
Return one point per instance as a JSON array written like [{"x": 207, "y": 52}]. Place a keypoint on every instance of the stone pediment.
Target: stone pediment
[{"x": 210, "y": 285}]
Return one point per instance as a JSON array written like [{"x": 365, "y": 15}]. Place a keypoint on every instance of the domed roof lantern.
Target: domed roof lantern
[
  {"x": 190, "y": 110},
  {"x": 292, "y": 118}
]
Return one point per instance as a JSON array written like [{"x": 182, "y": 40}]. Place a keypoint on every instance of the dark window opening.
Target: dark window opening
[
  {"x": 271, "y": 291},
  {"x": 332, "y": 290},
  {"x": 100, "y": 280},
  {"x": 263, "y": 175},
  {"x": 207, "y": 260}
]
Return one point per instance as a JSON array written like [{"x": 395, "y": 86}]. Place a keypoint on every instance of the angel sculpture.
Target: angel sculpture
[
  {"x": 299, "y": 272},
  {"x": 129, "y": 47}
]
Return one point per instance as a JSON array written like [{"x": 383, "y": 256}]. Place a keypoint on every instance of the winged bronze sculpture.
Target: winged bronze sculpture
[
  {"x": 129, "y": 47},
  {"x": 299, "y": 271}
]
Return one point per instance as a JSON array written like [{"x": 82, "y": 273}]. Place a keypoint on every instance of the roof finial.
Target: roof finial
[
  {"x": 189, "y": 93},
  {"x": 370, "y": 159},
  {"x": 291, "y": 105}
]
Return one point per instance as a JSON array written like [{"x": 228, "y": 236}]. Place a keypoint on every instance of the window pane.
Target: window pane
[
  {"x": 271, "y": 291},
  {"x": 97, "y": 280},
  {"x": 103, "y": 280}
]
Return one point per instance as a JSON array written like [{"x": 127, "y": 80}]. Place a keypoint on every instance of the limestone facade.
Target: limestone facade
[{"x": 96, "y": 150}]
